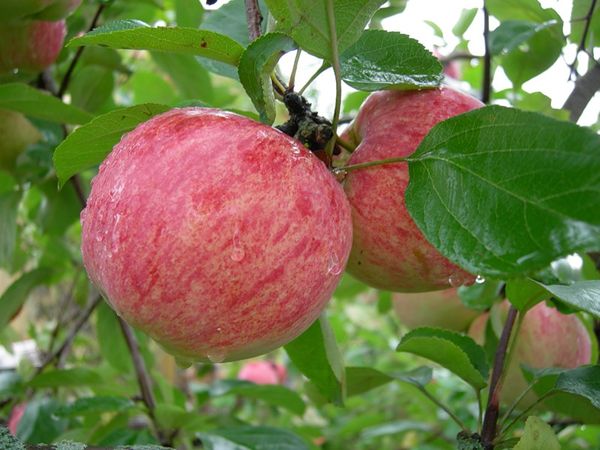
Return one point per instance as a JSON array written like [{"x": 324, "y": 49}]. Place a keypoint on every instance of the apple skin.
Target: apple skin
[
  {"x": 547, "y": 338},
  {"x": 263, "y": 372},
  {"x": 30, "y": 46},
  {"x": 441, "y": 309},
  {"x": 15, "y": 417},
  {"x": 220, "y": 237},
  {"x": 389, "y": 251},
  {"x": 59, "y": 9},
  {"x": 477, "y": 328},
  {"x": 17, "y": 134}
]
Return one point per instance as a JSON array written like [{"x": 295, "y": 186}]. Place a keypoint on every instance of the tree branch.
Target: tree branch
[
  {"x": 586, "y": 29},
  {"x": 486, "y": 88},
  {"x": 585, "y": 88},
  {"x": 67, "y": 78},
  {"x": 488, "y": 431},
  {"x": 254, "y": 19}
]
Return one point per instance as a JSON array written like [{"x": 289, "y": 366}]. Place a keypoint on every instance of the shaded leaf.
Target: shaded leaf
[
  {"x": 9, "y": 202},
  {"x": 583, "y": 295},
  {"x": 251, "y": 438},
  {"x": 67, "y": 377},
  {"x": 512, "y": 33},
  {"x": 16, "y": 294},
  {"x": 538, "y": 435},
  {"x": 363, "y": 379}
]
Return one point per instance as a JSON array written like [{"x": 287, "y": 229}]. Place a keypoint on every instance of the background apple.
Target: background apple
[
  {"x": 30, "y": 46},
  {"x": 547, "y": 338},
  {"x": 17, "y": 133},
  {"x": 220, "y": 237},
  {"x": 15, "y": 417},
  {"x": 263, "y": 372},
  {"x": 389, "y": 251},
  {"x": 433, "y": 309},
  {"x": 477, "y": 328}
]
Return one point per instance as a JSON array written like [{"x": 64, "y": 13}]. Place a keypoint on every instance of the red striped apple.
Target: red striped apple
[
  {"x": 389, "y": 251},
  {"x": 433, "y": 309},
  {"x": 30, "y": 46},
  {"x": 220, "y": 237}
]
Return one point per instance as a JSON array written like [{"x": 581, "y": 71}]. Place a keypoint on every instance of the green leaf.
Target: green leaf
[
  {"x": 306, "y": 22},
  {"x": 173, "y": 417},
  {"x": 464, "y": 22},
  {"x": 77, "y": 377},
  {"x": 538, "y": 435},
  {"x": 454, "y": 351},
  {"x": 110, "y": 339},
  {"x": 192, "y": 80},
  {"x": 269, "y": 393},
  {"x": 389, "y": 60},
  {"x": 583, "y": 295},
  {"x": 512, "y": 33},
  {"x": 397, "y": 427},
  {"x": 88, "y": 145},
  {"x": 136, "y": 35},
  {"x": 92, "y": 87},
  {"x": 230, "y": 20},
  {"x": 94, "y": 405},
  {"x": 524, "y": 293},
  {"x": 16, "y": 294},
  {"x": 481, "y": 296},
  {"x": 420, "y": 376},
  {"x": 580, "y": 10},
  {"x": 256, "y": 65},
  {"x": 9, "y": 203},
  {"x": 35, "y": 103},
  {"x": 189, "y": 13},
  {"x": 363, "y": 379},
  {"x": 316, "y": 355},
  {"x": 502, "y": 192},
  {"x": 582, "y": 381},
  {"x": 251, "y": 438}
]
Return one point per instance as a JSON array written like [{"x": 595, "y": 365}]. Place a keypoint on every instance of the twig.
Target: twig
[
  {"x": 488, "y": 431},
  {"x": 585, "y": 88},
  {"x": 448, "y": 411},
  {"x": 67, "y": 78},
  {"x": 60, "y": 353},
  {"x": 379, "y": 162},
  {"x": 292, "y": 81},
  {"x": 588, "y": 20},
  {"x": 313, "y": 77},
  {"x": 335, "y": 59},
  {"x": 486, "y": 88},
  {"x": 254, "y": 19},
  {"x": 62, "y": 311}
]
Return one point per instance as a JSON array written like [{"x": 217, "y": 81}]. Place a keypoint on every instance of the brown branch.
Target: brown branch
[
  {"x": 581, "y": 47},
  {"x": 254, "y": 19},
  {"x": 67, "y": 78},
  {"x": 61, "y": 351},
  {"x": 486, "y": 89},
  {"x": 585, "y": 88},
  {"x": 488, "y": 431}
]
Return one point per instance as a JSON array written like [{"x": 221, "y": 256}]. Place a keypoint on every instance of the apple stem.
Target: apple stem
[
  {"x": 488, "y": 431},
  {"x": 345, "y": 144},
  {"x": 313, "y": 77},
  {"x": 335, "y": 59},
  {"x": 292, "y": 80},
  {"x": 364, "y": 165}
]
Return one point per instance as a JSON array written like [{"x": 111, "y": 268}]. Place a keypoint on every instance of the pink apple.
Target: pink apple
[
  {"x": 451, "y": 68},
  {"x": 220, "y": 237},
  {"x": 547, "y": 338},
  {"x": 30, "y": 46},
  {"x": 15, "y": 417},
  {"x": 477, "y": 328},
  {"x": 263, "y": 372},
  {"x": 17, "y": 134},
  {"x": 389, "y": 251},
  {"x": 433, "y": 309}
]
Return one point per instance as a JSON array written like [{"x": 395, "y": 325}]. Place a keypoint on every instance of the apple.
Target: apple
[
  {"x": 477, "y": 328},
  {"x": 389, "y": 251},
  {"x": 547, "y": 338},
  {"x": 220, "y": 237},
  {"x": 59, "y": 9},
  {"x": 30, "y": 46},
  {"x": 433, "y": 309},
  {"x": 17, "y": 134},
  {"x": 15, "y": 417},
  {"x": 263, "y": 372},
  {"x": 451, "y": 67}
]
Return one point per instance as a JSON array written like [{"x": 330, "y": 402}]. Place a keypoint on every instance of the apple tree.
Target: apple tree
[{"x": 291, "y": 224}]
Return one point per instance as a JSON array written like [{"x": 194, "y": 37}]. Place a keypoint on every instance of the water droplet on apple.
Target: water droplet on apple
[
  {"x": 237, "y": 252},
  {"x": 456, "y": 280},
  {"x": 480, "y": 279},
  {"x": 334, "y": 267},
  {"x": 99, "y": 238},
  {"x": 216, "y": 356}
]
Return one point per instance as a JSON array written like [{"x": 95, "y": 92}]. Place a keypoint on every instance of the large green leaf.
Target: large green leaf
[
  {"x": 89, "y": 144},
  {"x": 76, "y": 377},
  {"x": 136, "y": 35},
  {"x": 583, "y": 295},
  {"x": 538, "y": 435},
  {"x": 363, "y": 379},
  {"x": 110, "y": 340},
  {"x": 306, "y": 22},
  {"x": 316, "y": 355},
  {"x": 512, "y": 33},
  {"x": 251, "y": 438},
  {"x": 256, "y": 65},
  {"x": 9, "y": 202},
  {"x": 388, "y": 60},
  {"x": 456, "y": 352},
  {"x": 35, "y": 103},
  {"x": 502, "y": 192},
  {"x": 16, "y": 294},
  {"x": 191, "y": 79}
]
